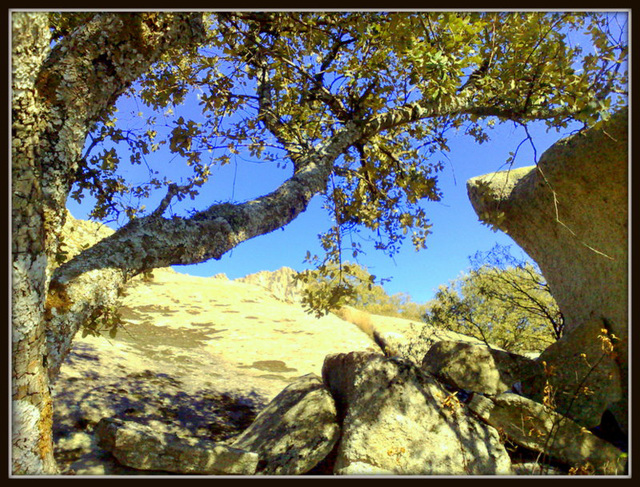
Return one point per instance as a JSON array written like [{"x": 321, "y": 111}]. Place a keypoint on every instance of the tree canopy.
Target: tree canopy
[{"x": 356, "y": 106}]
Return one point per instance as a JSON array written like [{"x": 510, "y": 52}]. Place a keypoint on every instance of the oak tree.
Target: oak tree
[{"x": 355, "y": 106}]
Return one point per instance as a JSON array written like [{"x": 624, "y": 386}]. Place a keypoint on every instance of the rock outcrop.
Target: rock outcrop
[
  {"x": 144, "y": 448},
  {"x": 570, "y": 214},
  {"x": 400, "y": 337},
  {"x": 541, "y": 429},
  {"x": 399, "y": 421},
  {"x": 197, "y": 357},
  {"x": 477, "y": 368},
  {"x": 296, "y": 430},
  {"x": 280, "y": 283},
  {"x": 376, "y": 415},
  {"x": 584, "y": 375}
]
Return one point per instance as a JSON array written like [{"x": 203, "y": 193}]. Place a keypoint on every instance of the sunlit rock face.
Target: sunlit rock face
[
  {"x": 280, "y": 284},
  {"x": 570, "y": 214},
  {"x": 296, "y": 430},
  {"x": 197, "y": 357},
  {"x": 397, "y": 420}
]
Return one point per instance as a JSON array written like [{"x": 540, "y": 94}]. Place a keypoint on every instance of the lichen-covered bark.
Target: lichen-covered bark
[
  {"x": 56, "y": 96},
  {"x": 83, "y": 76},
  {"x": 32, "y": 447}
]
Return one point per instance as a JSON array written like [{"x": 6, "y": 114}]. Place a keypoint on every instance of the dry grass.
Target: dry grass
[{"x": 361, "y": 319}]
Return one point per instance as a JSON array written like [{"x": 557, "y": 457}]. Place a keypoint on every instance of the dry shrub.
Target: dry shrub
[{"x": 361, "y": 319}]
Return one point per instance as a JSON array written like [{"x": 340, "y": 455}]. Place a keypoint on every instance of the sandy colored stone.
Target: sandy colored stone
[
  {"x": 539, "y": 428},
  {"x": 398, "y": 420},
  {"x": 144, "y": 448},
  {"x": 197, "y": 357},
  {"x": 295, "y": 431},
  {"x": 477, "y": 368},
  {"x": 570, "y": 214},
  {"x": 279, "y": 283}
]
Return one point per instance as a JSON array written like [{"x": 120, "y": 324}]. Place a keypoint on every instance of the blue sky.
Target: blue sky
[{"x": 456, "y": 233}]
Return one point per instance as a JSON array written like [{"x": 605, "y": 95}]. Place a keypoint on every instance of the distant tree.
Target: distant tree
[
  {"x": 502, "y": 301},
  {"x": 355, "y": 106}
]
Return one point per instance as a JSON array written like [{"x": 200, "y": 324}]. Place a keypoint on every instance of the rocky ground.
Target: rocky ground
[
  {"x": 204, "y": 360},
  {"x": 197, "y": 357}
]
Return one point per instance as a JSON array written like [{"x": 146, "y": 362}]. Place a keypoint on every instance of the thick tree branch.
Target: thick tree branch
[
  {"x": 460, "y": 105},
  {"x": 81, "y": 77},
  {"x": 151, "y": 241},
  {"x": 93, "y": 277}
]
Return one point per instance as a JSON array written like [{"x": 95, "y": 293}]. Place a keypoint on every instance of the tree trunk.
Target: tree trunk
[
  {"x": 31, "y": 400},
  {"x": 57, "y": 95}
]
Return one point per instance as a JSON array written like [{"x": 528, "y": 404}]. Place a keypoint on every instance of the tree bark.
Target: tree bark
[
  {"x": 32, "y": 444},
  {"x": 57, "y": 94}
]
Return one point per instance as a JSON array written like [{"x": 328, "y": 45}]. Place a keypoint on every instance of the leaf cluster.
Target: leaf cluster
[
  {"x": 103, "y": 319},
  {"x": 334, "y": 285}
]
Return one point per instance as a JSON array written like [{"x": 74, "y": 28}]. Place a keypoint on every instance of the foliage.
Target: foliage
[
  {"x": 353, "y": 285},
  {"x": 277, "y": 87},
  {"x": 102, "y": 320},
  {"x": 502, "y": 301}
]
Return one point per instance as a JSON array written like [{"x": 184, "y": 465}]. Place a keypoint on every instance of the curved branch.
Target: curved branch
[
  {"x": 460, "y": 105},
  {"x": 93, "y": 277},
  {"x": 151, "y": 241},
  {"x": 172, "y": 191}
]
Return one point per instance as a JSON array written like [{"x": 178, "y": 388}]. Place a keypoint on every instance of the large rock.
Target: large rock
[
  {"x": 570, "y": 214},
  {"x": 295, "y": 431},
  {"x": 535, "y": 426},
  {"x": 477, "y": 368},
  {"x": 280, "y": 283},
  {"x": 399, "y": 337},
  {"x": 414, "y": 343},
  {"x": 140, "y": 446},
  {"x": 579, "y": 374},
  {"x": 397, "y": 420}
]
